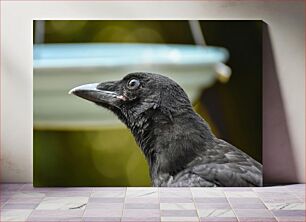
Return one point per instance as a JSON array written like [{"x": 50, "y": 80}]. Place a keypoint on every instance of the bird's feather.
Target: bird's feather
[{"x": 178, "y": 144}]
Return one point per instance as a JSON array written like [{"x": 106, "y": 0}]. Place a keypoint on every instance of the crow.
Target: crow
[{"x": 177, "y": 143}]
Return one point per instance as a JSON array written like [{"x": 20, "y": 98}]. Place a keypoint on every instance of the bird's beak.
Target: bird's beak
[{"x": 92, "y": 93}]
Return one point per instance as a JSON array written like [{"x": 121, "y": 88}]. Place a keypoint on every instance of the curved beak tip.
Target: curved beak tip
[
  {"x": 86, "y": 87},
  {"x": 71, "y": 91}
]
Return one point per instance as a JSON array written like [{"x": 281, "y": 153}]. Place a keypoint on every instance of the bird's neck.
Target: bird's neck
[
  {"x": 142, "y": 129},
  {"x": 169, "y": 145}
]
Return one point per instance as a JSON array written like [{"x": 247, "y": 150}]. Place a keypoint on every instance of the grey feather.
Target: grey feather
[{"x": 178, "y": 144}]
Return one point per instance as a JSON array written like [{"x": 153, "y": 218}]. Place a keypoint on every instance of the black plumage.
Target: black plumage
[{"x": 178, "y": 144}]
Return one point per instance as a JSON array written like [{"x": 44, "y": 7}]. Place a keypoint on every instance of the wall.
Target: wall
[{"x": 285, "y": 29}]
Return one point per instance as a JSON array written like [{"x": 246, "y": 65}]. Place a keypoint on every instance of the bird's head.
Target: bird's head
[
  {"x": 159, "y": 114},
  {"x": 135, "y": 95}
]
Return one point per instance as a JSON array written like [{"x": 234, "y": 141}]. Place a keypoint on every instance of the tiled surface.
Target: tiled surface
[{"x": 22, "y": 202}]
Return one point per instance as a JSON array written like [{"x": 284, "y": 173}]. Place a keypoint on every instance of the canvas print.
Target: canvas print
[{"x": 147, "y": 103}]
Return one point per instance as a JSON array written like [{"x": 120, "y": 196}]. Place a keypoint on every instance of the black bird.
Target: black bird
[{"x": 178, "y": 144}]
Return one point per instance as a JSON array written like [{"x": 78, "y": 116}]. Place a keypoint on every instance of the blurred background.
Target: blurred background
[{"x": 218, "y": 63}]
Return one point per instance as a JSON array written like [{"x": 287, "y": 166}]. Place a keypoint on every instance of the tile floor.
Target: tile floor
[{"x": 22, "y": 202}]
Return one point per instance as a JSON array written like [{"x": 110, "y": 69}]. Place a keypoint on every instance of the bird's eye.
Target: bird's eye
[{"x": 133, "y": 84}]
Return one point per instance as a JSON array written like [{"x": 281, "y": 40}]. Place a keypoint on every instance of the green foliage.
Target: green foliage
[
  {"x": 131, "y": 31},
  {"x": 107, "y": 157}
]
